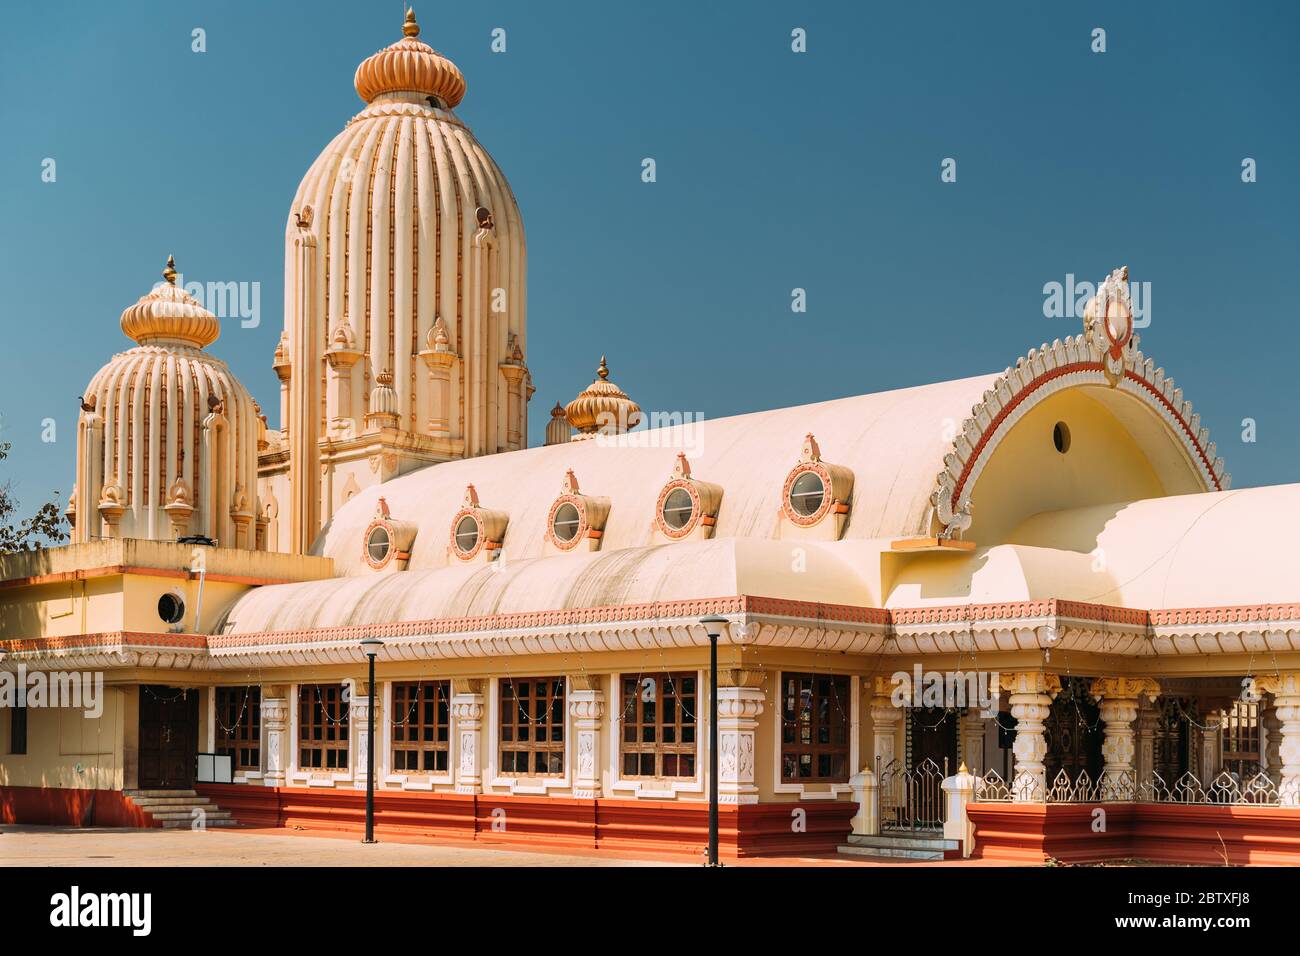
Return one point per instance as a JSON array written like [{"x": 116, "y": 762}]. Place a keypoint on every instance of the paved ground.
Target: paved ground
[
  {"x": 67, "y": 846},
  {"x": 70, "y": 846}
]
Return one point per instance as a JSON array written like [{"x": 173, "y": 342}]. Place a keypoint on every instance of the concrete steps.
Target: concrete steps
[
  {"x": 904, "y": 846},
  {"x": 176, "y": 809}
]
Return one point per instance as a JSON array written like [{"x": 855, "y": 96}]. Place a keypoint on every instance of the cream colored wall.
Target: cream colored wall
[
  {"x": 68, "y": 750},
  {"x": 1026, "y": 475}
]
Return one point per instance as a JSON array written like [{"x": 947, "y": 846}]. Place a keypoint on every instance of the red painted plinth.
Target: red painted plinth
[
  {"x": 637, "y": 825},
  {"x": 49, "y": 806},
  {"x": 1162, "y": 833}
]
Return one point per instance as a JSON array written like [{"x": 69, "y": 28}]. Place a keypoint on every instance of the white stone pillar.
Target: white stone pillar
[
  {"x": 1030, "y": 695},
  {"x": 467, "y": 711},
  {"x": 740, "y": 702},
  {"x": 1285, "y": 688},
  {"x": 587, "y": 708},
  {"x": 1119, "y": 699},
  {"x": 958, "y": 791},
  {"x": 885, "y": 720},
  {"x": 275, "y": 723},
  {"x": 866, "y": 821}
]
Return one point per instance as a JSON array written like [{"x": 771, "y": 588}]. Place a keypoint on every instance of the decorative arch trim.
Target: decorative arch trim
[{"x": 1044, "y": 372}]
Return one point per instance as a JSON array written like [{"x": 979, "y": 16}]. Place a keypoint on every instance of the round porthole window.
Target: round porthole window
[
  {"x": 679, "y": 508},
  {"x": 378, "y": 545},
  {"x": 1061, "y": 437},
  {"x": 807, "y": 494},
  {"x": 466, "y": 535},
  {"x": 566, "y": 523},
  {"x": 171, "y": 608}
]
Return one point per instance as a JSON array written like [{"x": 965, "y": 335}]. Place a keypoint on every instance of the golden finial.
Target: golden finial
[
  {"x": 410, "y": 28},
  {"x": 603, "y": 371},
  {"x": 170, "y": 272}
]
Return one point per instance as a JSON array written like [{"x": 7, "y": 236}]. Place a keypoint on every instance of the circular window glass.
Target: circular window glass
[
  {"x": 1061, "y": 437},
  {"x": 466, "y": 534},
  {"x": 678, "y": 508},
  {"x": 171, "y": 609},
  {"x": 807, "y": 494},
  {"x": 377, "y": 545},
  {"x": 565, "y": 526}
]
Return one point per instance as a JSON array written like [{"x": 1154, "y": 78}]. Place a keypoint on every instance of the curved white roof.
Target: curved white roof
[{"x": 894, "y": 442}]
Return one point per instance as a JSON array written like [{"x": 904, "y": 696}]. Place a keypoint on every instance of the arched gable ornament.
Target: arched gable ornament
[
  {"x": 1107, "y": 354},
  {"x": 1108, "y": 324}
]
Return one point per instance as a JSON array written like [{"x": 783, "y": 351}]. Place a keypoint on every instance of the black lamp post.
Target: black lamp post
[
  {"x": 370, "y": 646},
  {"x": 713, "y": 626}
]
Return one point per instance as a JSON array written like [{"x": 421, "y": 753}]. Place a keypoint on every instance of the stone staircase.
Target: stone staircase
[
  {"x": 174, "y": 809},
  {"x": 906, "y": 846}
]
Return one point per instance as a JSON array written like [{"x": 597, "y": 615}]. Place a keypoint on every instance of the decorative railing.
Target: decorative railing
[
  {"x": 1226, "y": 789},
  {"x": 911, "y": 799}
]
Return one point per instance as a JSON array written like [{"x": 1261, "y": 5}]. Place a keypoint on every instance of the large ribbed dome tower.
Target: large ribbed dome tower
[
  {"x": 404, "y": 336},
  {"x": 167, "y": 437}
]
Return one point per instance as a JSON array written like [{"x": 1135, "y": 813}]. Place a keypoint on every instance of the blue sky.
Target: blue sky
[{"x": 775, "y": 170}]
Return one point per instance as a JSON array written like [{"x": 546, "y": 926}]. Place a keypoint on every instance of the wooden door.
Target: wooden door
[{"x": 169, "y": 732}]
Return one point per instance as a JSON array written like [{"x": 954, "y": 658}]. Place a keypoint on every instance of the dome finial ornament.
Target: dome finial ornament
[
  {"x": 603, "y": 407},
  {"x": 410, "y": 66},
  {"x": 169, "y": 273}
]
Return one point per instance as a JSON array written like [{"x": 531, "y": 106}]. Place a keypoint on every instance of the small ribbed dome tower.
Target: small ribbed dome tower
[
  {"x": 404, "y": 257},
  {"x": 602, "y": 408},
  {"x": 167, "y": 437}
]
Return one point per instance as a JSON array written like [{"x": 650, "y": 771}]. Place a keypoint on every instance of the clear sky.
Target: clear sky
[{"x": 775, "y": 170}]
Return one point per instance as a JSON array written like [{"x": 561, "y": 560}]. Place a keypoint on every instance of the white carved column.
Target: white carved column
[
  {"x": 359, "y": 722},
  {"x": 740, "y": 702},
  {"x": 467, "y": 709},
  {"x": 275, "y": 722},
  {"x": 587, "y": 708},
  {"x": 885, "y": 720},
  {"x": 1119, "y": 699},
  {"x": 1285, "y": 688},
  {"x": 1030, "y": 696}
]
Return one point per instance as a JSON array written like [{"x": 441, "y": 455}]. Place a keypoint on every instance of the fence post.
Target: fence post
[
  {"x": 865, "y": 784},
  {"x": 958, "y": 790}
]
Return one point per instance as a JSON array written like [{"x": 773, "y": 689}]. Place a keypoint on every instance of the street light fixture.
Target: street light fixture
[
  {"x": 713, "y": 627},
  {"x": 370, "y": 647}
]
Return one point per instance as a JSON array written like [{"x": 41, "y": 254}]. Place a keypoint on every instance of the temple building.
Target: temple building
[{"x": 958, "y": 619}]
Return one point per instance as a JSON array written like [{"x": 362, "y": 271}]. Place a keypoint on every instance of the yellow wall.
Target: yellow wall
[{"x": 67, "y": 749}]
